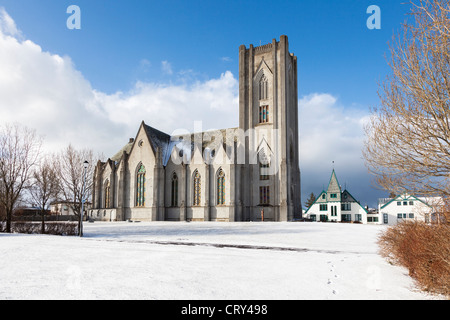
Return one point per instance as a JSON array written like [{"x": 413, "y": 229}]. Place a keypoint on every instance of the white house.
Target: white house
[
  {"x": 65, "y": 208},
  {"x": 406, "y": 207},
  {"x": 336, "y": 205}
]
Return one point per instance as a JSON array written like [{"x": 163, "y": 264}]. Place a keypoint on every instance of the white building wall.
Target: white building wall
[
  {"x": 355, "y": 214},
  {"x": 404, "y": 209}
]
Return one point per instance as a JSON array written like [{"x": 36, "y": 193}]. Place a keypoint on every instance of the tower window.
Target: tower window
[
  {"x": 264, "y": 195},
  {"x": 264, "y": 166},
  {"x": 263, "y": 114},
  {"x": 263, "y": 88}
]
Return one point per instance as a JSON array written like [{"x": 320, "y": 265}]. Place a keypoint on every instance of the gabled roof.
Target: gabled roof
[
  {"x": 126, "y": 148},
  {"x": 404, "y": 197},
  {"x": 158, "y": 139},
  {"x": 333, "y": 182}
]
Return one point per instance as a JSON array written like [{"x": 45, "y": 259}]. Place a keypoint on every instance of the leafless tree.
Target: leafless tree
[
  {"x": 19, "y": 152},
  {"x": 74, "y": 188},
  {"x": 407, "y": 143},
  {"x": 45, "y": 187}
]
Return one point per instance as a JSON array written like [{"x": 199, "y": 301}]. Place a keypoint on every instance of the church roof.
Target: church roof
[
  {"x": 159, "y": 139},
  {"x": 126, "y": 148}
]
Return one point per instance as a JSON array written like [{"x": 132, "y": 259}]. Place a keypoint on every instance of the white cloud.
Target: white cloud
[
  {"x": 331, "y": 132},
  {"x": 7, "y": 24},
  {"x": 45, "y": 92},
  {"x": 166, "y": 67}
]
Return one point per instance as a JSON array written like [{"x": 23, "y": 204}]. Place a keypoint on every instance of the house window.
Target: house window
[
  {"x": 264, "y": 195},
  {"x": 197, "y": 188},
  {"x": 411, "y": 203},
  {"x": 263, "y": 114},
  {"x": 323, "y": 196},
  {"x": 333, "y": 195},
  {"x": 399, "y": 203},
  {"x": 323, "y": 207},
  {"x": 346, "y": 217},
  {"x": 385, "y": 218},
  {"x": 405, "y": 203},
  {"x": 221, "y": 187},
  {"x": 347, "y": 206},
  {"x": 312, "y": 217},
  {"x": 140, "y": 186},
  {"x": 358, "y": 217},
  {"x": 174, "y": 198},
  {"x": 411, "y": 216},
  {"x": 333, "y": 211}
]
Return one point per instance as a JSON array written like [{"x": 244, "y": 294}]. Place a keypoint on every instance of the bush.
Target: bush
[
  {"x": 423, "y": 249},
  {"x": 53, "y": 228}
]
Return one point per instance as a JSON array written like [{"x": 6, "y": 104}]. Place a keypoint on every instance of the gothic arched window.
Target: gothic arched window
[
  {"x": 174, "y": 198},
  {"x": 220, "y": 187},
  {"x": 264, "y": 166},
  {"x": 107, "y": 194},
  {"x": 263, "y": 88},
  {"x": 197, "y": 188},
  {"x": 140, "y": 186}
]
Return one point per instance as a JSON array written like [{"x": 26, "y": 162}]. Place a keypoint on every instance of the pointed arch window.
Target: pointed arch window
[
  {"x": 107, "y": 194},
  {"x": 264, "y": 166},
  {"x": 221, "y": 187},
  {"x": 263, "y": 88},
  {"x": 140, "y": 186},
  {"x": 174, "y": 199},
  {"x": 197, "y": 188}
]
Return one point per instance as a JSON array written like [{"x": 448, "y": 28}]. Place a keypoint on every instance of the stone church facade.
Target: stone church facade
[{"x": 234, "y": 174}]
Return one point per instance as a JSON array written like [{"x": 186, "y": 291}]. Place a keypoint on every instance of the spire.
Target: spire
[{"x": 333, "y": 185}]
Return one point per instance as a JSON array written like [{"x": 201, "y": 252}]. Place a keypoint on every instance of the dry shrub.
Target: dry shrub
[
  {"x": 423, "y": 249},
  {"x": 53, "y": 228}
]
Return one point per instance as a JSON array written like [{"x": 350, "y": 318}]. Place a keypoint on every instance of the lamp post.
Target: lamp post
[{"x": 85, "y": 165}]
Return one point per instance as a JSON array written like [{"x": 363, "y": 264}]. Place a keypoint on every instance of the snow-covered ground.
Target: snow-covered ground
[{"x": 203, "y": 260}]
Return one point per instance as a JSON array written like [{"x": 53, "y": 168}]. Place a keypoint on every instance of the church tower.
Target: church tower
[{"x": 268, "y": 114}]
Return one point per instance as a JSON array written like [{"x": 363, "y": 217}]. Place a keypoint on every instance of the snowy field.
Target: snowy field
[{"x": 203, "y": 260}]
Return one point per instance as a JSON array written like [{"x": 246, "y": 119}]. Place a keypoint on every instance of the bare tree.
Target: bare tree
[
  {"x": 19, "y": 152},
  {"x": 45, "y": 187},
  {"x": 407, "y": 143},
  {"x": 74, "y": 188}
]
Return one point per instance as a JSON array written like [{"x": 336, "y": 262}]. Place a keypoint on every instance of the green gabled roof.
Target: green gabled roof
[
  {"x": 320, "y": 195},
  {"x": 406, "y": 197},
  {"x": 356, "y": 201}
]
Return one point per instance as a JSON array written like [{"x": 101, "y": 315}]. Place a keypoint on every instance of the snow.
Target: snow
[{"x": 203, "y": 260}]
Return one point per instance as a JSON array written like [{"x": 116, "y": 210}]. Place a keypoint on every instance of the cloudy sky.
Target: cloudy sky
[{"x": 171, "y": 63}]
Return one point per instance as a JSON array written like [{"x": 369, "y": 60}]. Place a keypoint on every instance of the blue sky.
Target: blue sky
[
  {"x": 336, "y": 51},
  {"x": 128, "y": 50}
]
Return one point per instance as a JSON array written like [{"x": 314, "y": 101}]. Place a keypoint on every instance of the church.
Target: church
[{"x": 248, "y": 173}]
